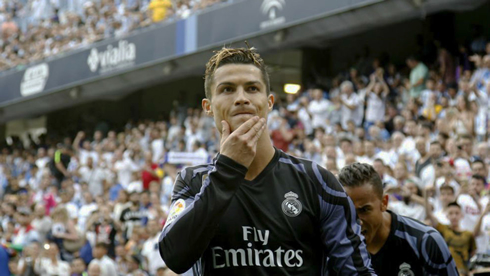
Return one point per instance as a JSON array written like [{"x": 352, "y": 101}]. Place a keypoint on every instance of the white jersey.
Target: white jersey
[
  {"x": 471, "y": 212},
  {"x": 483, "y": 240}
]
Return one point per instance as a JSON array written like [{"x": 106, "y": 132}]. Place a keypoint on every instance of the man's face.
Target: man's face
[
  {"x": 476, "y": 186},
  {"x": 479, "y": 168},
  {"x": 238, "y": 94},
  {"x": 420, "y": 145},
  {"x": 446, "y": 196},
  {"x": 435, "y": 150},
  {"x": 454, "y": 215},
  {"x": 78, "y": 266},
  {"x": 369, "y": 148},
  {"x": 369, "y": 207},
  {"x": 378, "y": 167}
]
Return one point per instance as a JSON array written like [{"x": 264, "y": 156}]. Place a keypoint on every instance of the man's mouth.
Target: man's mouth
[{"x": 243, "y": 114}]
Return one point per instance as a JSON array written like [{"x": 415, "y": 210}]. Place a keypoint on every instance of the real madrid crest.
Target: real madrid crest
[
  {"x": 291, "y": 206},
  {"x": 405, "y": 270}
]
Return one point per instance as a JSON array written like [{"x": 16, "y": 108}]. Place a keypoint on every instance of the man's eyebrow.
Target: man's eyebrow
[
  {"x": 364, "y": 206},
  {"x": 252, "y": 83},
  {"x": 226, "y": 83}
]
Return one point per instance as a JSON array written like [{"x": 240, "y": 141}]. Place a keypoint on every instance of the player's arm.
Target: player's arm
[
  {"x": 340, "y": 233},
  {"x": 437, "y": 259},
  {"x": 188, "y": 231},
  {"x": 194, "y": 218}
]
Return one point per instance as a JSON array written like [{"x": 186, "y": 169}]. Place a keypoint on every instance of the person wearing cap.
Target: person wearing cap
[{"x": 25, "y": 234}]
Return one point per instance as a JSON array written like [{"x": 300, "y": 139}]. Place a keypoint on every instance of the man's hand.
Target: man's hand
[{"x": 241, "y": 145}]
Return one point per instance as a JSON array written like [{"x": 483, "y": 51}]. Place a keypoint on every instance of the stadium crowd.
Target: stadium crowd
[
  {"x": 32, "y": 30},
  {"x": 94, "y": 203}
]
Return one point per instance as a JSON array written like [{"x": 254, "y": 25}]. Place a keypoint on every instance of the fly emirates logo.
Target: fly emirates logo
[{"x": 250, "y": 256}]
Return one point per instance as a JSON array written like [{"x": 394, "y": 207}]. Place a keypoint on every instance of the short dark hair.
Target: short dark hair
[
  {"x": 226, "y": 56},
  {"x": 455, "y": 204},
  {"x": 102, "y": 245},
  {"x": 478, "y": 161},
  {"x": 379, "y": 160},
  {"x": 345, "y": 140},
  {"x": 446, "y": 187},
  {"x": 479, "y": 177},
  {"x": 357, "y": 174}
]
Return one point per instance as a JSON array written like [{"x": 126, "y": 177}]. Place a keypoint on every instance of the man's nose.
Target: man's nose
[{"x": 241, "y": 97}]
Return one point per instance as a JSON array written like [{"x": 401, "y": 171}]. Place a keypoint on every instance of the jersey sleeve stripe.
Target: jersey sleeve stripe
[
  {"x": 181, "y": 193},
  {"x": 440, "y": 244},
  {"x": 300, "y": 167},
  {"x": 412, "y": 241},
  {"x": 200, "y": 170},
  {"x": 191, "y": 202},
  {"x": 327, "y": 189}
]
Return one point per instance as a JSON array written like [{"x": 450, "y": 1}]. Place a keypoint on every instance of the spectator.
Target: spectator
[
  {"x": 49, "y": 262},
  {"x": 63, "y": 231},
  {"x": 78, "y": 267},
  {"x": 107, "y": 265},
  {"x": 471, "y": 203},
  {"x": 418, "y": 75},
  {"x": 318, "y": 108},
  {"x": 150, "y": 248},
  {"x": 350, "y": 102},
  {"x": 461, "y": 242},
  {"x": 377, "y": 91}
]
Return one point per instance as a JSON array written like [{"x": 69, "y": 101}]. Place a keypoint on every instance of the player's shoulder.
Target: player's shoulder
[
  {"x": 312, "y": 170},
  {"x": 406, "y": 226},
  {"x": 195, "y": 174}
]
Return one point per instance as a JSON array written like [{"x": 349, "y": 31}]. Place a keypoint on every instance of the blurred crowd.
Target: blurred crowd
[
  {"x": 94, "y": 203},
  {"x": 32, "y": 30}
]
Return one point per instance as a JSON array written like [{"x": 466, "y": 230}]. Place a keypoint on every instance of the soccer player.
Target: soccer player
[
  {"x": 256, "y": 210},
  {"x": 398, "y": 245}
]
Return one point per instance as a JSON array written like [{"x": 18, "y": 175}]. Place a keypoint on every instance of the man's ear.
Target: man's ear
[
  {"x": 270, "y": 100},
  {"x": 384, "y": 202},
  {"x": 206, "y": 106}
]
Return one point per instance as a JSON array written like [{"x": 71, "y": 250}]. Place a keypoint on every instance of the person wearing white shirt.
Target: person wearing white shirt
[
  {"x": 150, "y": 248},
  {"x": 87, "y": 208},
  {"x": 304, "y": 115},
  {"x": 350, "y": 103},
  {"x": 386, "y": 179},
  {"x": 482, "y": 232},
  {"x": 377, "y": 91},
  {"x": 471, "y": 203},
  {"x": 42, "y": 159},
  {"x": 410, "y": 206},
  {"x": 107, "y": 265},
  {"x": 50, "y": 264},
  {"x": 94, "y": 176},
  {"x": 318, "y": 108},
  {"x": 424, "y": 169},
  {"x": 370, "y": 152},
  {"x": 124, "y": 167}
]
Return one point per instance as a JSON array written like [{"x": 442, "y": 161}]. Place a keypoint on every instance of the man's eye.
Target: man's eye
[
  {"x": 253, "y": 88},
  {"x": 227, "y": 89}
]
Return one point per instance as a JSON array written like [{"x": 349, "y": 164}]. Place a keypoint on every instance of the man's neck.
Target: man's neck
[
  {"x": 382, "y": 235},
  {"x": 454, "y": 228},
  {"x": 264, "y": 154}
]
